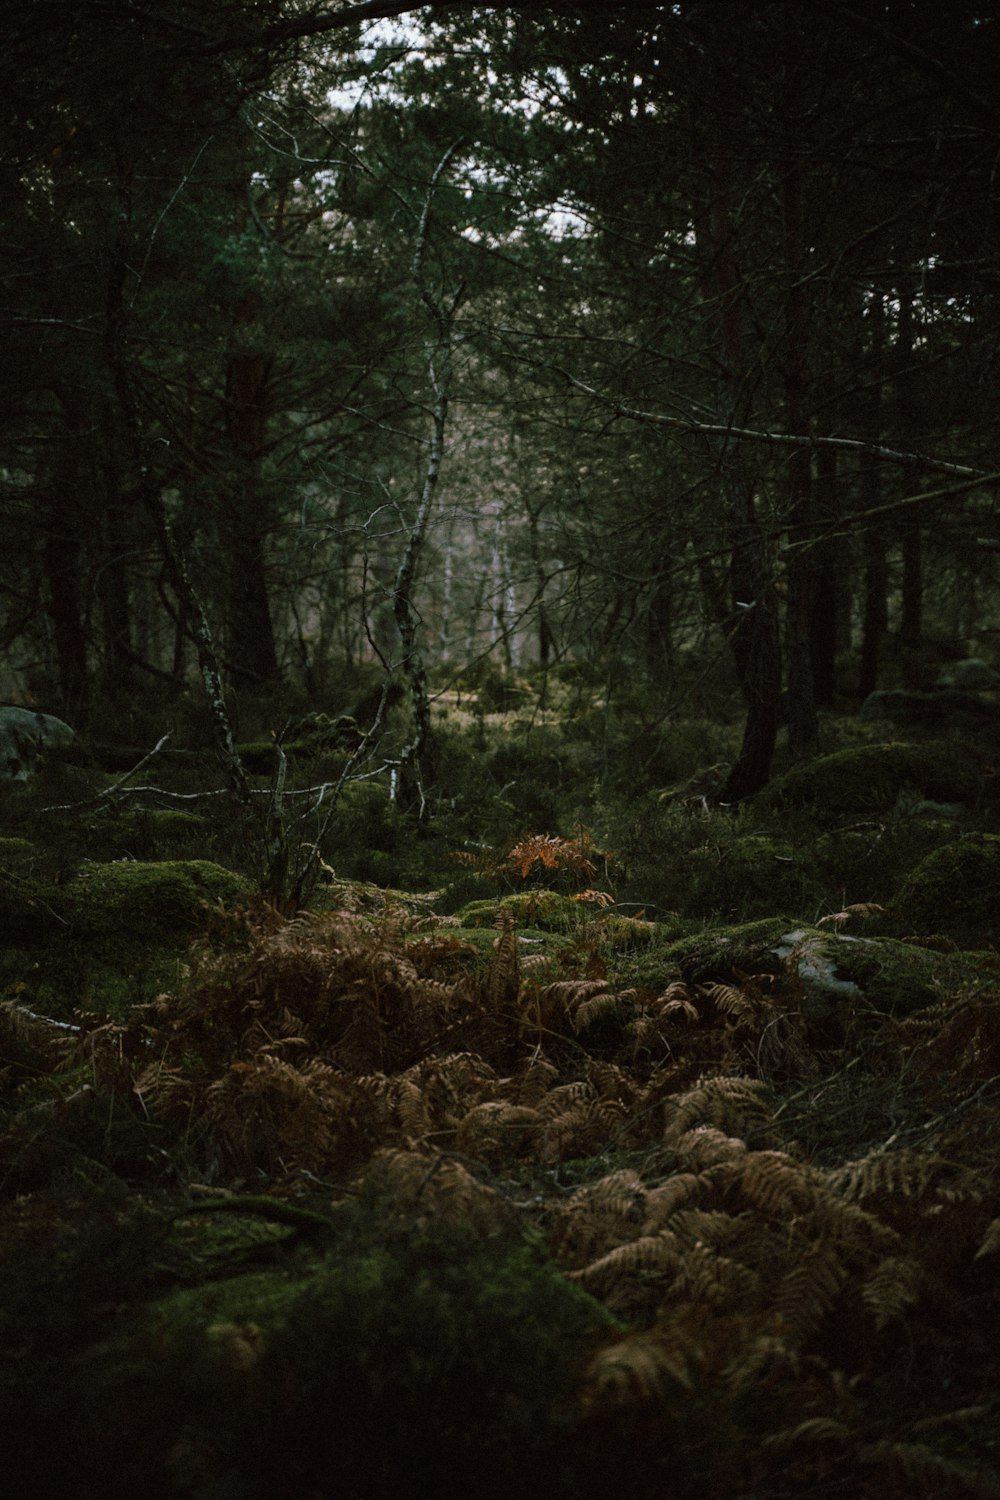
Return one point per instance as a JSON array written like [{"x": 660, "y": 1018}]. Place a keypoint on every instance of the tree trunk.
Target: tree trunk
[
  {"x": 62, "y": 557},
  {"x": 752, "y": 629},
  {"x": 831, "y": 596},
  {"x": 252, "y": 659},
  {"x": 802, "y": 724},
  {"x": 912, "y": 602},
  {"x": 875, "y": 610}
]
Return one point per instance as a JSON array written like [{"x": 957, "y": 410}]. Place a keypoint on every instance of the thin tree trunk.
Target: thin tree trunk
[
  {"x": 802, "y": 724},
  {"x": 912, "y": 601},
  {"x": 252, "y": 658},
  {"x": 419, "y": 754},
  {"x": 64, "y": 523},
  {"x": 752, "y": 629},
  {"x": 830, "y": 591},
  {"x": 875, "y": 610}
]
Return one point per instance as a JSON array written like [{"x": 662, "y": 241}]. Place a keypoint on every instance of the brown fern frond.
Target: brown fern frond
[
  {"x": 601, "y": 899},
  {"x": 712, "y": 1280},
  {"x": 493, "y": 1131},
  {"x": 729, "y": 1001},
  {"x": 502, "y": 980},
  {"x": 643, "y": 1368},
  {"x": 438, "y": 1187},
  {"x": 698, "y": 1226},
  {"x": 809, "y": 1291},
  {"x": 892, "y": 1289},
  {"x": 705, "y": 1148},
  {"x": 535, "y": 964},
  {"x": 812, "y": 1432},
  {"x": 727, "y": 1103},
  {"x": 764, "y": 1358},
  {"x": 919, "y": 1470},
  {"x": 906, "y": 1174},
  {"x": 596, "y": 1009},
  {"x": 553, "y": 853},
  {"x": 990, "y": 1242},
  {"x": 535, "y": 1081},
  {"x": 664, "y": 1201},
  {"x": 839, "y": 919},
  {"x": 774, "y": 1183},
  {"x": 559, "y": 1100},
  {"x": 412, "y": 1110},
  {"x": 658, "y": 1254}
]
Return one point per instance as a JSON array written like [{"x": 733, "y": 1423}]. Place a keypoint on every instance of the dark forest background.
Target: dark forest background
[{"x": 498, "y": 978}]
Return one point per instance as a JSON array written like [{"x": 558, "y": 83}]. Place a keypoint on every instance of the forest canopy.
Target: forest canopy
[{"x": 684, "y": 315}]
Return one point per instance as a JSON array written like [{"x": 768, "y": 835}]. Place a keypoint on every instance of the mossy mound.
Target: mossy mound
[
  {"x": 17, "y": 854},
  {"x": 716, "y": 953},
  {"x": 548, "y": 910},
  {"x": 30, "y": 909},
  {"x": 836, "y": 969},
  {"x": 138, "y": 899},
  {"x": 955, "y": 891},
  {"x": 743, "y": 874},
  {"x": 412, "y": 1358},
  {"x": 900, "y": 977},
  {"x": 869, "y": 778}
]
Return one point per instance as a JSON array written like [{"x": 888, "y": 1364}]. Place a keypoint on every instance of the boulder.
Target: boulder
[
  {"x": 869, "y": 778},
  {"x": 971, "y": 676},
  {"x": 954, "y": 891},
  {"x": 837, "y": 971},
  {"x": 942, "y": 707},
  {"x": 25, "y": 736}
]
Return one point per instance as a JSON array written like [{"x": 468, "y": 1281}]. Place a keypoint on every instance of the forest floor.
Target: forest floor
[{"x": 587, "y": 1137}]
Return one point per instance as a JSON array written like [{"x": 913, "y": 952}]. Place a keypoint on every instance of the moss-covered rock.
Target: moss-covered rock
[
  {"x": 549, "y": 910},
  {"x": 149, "y": 899},
  {"x": 869, "y": 778},
  {"x": 955, "y": 891},
  {"x": 901, "y": 977},
  {"x": 835, "y": 969},
  {"x": 716, "y": 953},
  {"x": 389, "y": 1358}
]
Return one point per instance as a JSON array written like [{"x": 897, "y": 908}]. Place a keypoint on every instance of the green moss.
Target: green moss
[
  {"x": 549, "y": 911},
  {"x": 405, "y": 1357},
  {"x": 955, "y": 890},
  {"x": 869, "y": 778},
  {"x": 16, "y": 854},
  {"x": 31, "y": 910},
  {"x": 615, "y": 932},
  {"x": 711, "y": 865},
  {"x": 717, "y": 952},
  {"x": 530, "y": 940},
  {"x": 145, "y": 899},
  {"x": 902, "y": 977}
]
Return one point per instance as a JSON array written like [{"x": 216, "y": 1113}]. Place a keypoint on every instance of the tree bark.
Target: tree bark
[
  {"x": 64, "y": 522},
  {"x": 912, "y": 595},
  {"x": 252, "y": 659},
  {"x": 752, "y": 629},
  {"x": 875, "y": 611},
  {"x": 803, "y": 728},
  {"x": 831, "y": 598}
]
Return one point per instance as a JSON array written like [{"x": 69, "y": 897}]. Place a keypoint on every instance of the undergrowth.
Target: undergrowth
[{"x": 700, "y": 1298}]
